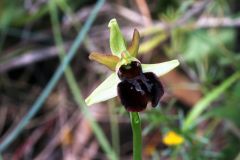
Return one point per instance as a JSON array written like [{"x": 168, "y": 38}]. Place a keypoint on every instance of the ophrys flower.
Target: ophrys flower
[{"x": 136, "y": 84}]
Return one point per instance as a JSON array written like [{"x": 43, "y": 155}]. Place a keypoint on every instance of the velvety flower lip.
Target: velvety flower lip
[
  {"x": 108, "y": 88},
  {"x": 137, "y": 89},
  {"x": 138, "y": 83}
]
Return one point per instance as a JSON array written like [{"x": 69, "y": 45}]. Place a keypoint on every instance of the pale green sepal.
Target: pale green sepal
[
  {"x": 106, "y": 90},
  {"x": 160, "y": 68},
  {"x": 117, "y": 42}
]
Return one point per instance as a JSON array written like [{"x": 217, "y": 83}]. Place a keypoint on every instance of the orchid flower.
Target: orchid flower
[{"x": 136, "y": 84}]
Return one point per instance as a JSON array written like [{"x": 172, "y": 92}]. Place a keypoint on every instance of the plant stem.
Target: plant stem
[
  {"x": 137, "y": 135},
  {"x": 114, "y": 128}
]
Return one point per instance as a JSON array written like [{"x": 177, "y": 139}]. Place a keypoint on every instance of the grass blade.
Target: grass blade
[
  {"x": 205, "y": 102},
  {"x": 53, "y": 81},
  {"x": 75, "y": 90}
]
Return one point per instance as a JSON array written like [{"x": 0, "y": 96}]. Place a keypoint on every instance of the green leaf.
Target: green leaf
[
  {"x": 160, "y": 68},
  {"x": 203, "y": 44},
  {"x": 226, "y": 112},
  {"x": 106, "y": 90},
  {"x": 134, "y": 46},
  {"x": 109, "y": 61},
  {"x": 145, "y": 47},
  {"x": 205, "y": 102},
  {"x": 117, "y": 42}
]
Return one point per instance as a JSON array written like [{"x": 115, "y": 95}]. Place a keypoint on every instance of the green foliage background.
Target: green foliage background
[{"x": 209, "y": 58}]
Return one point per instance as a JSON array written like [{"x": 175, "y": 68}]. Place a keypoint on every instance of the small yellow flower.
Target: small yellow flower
[{"x": 172, "y": 139}]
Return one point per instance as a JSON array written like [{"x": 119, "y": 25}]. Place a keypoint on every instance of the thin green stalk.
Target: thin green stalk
[
  {"x": 137, "y": 135},
  {"x": 63, "y": 5},
  {"x": 95, "y": 127},
  {"x": 53, "y": 81},
  {"x": 74, "y": 87},
  {"x": 205, "y": 102},
  {"x": 114, "y": 128},
  {"x": 1, "y": 157}
]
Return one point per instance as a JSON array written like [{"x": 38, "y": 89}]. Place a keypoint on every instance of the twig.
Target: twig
[
  {"x": 70, "y": 124},
  {"x": 53, "y": 81},
  {"x": 107, "y": 8},
  {"x": 196, "y": 9},
  {"x": 91, "y": 151},
  {"x": 211, "y": 22},
  {"x": 204, "y": 22},
  {"x": 127, "y": 13},
  {"x": 30, "y": 57},
  {"x": 143, "y": 7},
  {"x": 3, "y": 117},
  {"x": 72, "y": 83},
  {"x": 29, "y": 143}
]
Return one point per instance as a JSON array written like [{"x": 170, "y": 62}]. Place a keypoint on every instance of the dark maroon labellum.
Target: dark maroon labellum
[{"x": 136, "y": 88}]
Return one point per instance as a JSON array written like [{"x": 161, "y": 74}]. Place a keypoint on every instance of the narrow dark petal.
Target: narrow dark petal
[
  {"x": 133, "y": 98},
  {"x": 157, "y": 90}
]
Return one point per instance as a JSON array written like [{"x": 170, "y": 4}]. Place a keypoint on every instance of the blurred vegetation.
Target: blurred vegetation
[{"x": 201, "y": 101}]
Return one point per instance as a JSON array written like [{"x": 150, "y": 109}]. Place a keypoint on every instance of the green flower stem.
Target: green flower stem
[{"x": 137, "y": 135}]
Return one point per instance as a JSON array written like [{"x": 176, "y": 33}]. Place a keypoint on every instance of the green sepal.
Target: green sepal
[
  {"x": 106, "y": 90},
  {"x": 107, "y": 60},
  {"x": 160, "y": 68},
  {"x": 117, "y": 42},
  {"x": 134, "y": 46}
]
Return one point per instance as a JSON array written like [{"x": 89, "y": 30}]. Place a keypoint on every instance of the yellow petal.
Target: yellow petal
[{"x": 172, "y": 139}]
